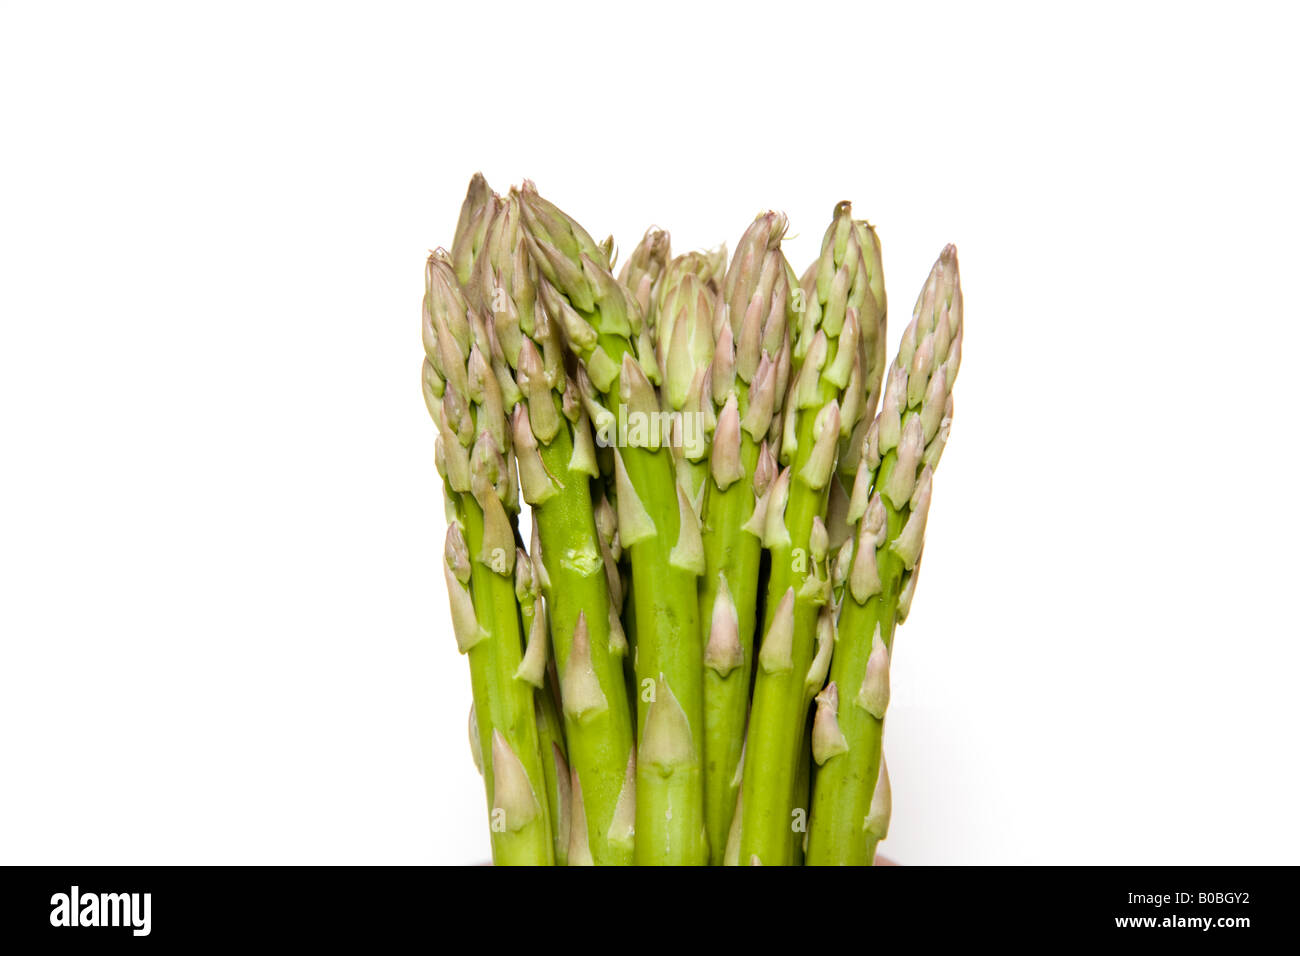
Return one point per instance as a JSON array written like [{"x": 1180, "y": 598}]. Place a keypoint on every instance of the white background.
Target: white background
[{"x": 224, "y": 631}]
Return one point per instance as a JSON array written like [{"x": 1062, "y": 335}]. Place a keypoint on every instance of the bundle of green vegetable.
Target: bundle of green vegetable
[{"x": 688, "y": 661}]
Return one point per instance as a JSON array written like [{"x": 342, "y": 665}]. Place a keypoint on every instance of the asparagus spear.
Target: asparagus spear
[
  {"x": 466, "y": 401},
  {"x": 643, "y": 269},
  {"x": 480, "y": 209},
  {"x": 658, "y": 527},
  {"x": 827, "y": 360},
  {"x": 640, "y": 276},
  {"x": 752, "y": 333},
  {"x": 476, "y": 214},
  {"x": 537, "y": 669},
  {"x": 556, "y": 459},
  {"x": 683, "y": 316},
  {"x": 878, "y": 568}
]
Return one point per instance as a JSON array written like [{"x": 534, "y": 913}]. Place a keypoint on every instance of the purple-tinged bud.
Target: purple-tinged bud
[
  {"x": 723, "y": 651},
  {"x": 776, "y": 654},
  {"x": 666, "y": 742},
  {"x": 512, "y": 794},
  {"x": 724, "y": 459},
  {"x": 579, "y": 687},
  {"x": 827, "y": 738},
  {"x": 912, "y": 537},
  {"x": 901, "y": 479},
  {"x": 873, "y": 695}
]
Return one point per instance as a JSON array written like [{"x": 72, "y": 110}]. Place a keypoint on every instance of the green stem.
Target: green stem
[
  {"x": 550, "y": 733},
  {"x": 802, "y": 792},
  {"x": 734, "y": 555},
  {"x": 670, "y": 794},
  {"x": 846, "y": 782},
  {"x": 504, "y": 703},
  {"x": 777, "y": 717},
  {"x": 599, "y": 740}
]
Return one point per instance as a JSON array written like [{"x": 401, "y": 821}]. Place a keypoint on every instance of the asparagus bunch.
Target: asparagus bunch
[{"x": 692, "y": 438}]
